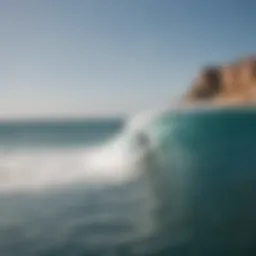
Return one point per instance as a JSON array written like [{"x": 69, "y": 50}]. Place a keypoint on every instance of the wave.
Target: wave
[
  {"x": 113, "y": 162},
  {"x": 135, "y": 211}
]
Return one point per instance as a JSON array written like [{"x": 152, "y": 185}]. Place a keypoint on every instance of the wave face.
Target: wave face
[
  {"x": 85, "y": 188},
  {"x": 161, "y": 183}
]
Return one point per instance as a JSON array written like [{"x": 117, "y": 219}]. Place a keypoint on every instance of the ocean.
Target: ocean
[
  {"x": 178, "y": 183},
  {"x": 58, "y": 198}
]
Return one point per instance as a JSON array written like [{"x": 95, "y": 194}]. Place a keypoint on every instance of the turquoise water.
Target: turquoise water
[{"x": 90, "y": 188}]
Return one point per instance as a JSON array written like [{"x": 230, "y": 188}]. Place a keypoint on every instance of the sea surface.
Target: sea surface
[
  {"x": 179, "y": 183},
  {"x": 78, "y": 187}
]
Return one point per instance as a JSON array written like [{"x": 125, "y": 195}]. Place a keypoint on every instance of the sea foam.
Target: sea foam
[{"x": 113, "y": 162}]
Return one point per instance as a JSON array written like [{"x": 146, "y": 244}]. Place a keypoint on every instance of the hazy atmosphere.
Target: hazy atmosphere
[
  {"x": 95, "y": 160},
  {"x": 98, "y": 58}
]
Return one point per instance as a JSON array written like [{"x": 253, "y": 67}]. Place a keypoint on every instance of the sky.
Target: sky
[{"x": 109, "y": 57}]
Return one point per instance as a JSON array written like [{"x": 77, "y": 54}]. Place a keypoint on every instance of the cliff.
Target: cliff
[{"x": 231, "y": 83}]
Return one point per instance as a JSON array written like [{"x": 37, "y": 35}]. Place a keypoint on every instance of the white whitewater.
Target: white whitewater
[{"x": 111, "y": 163}]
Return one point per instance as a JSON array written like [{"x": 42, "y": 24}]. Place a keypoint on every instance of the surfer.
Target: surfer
[
  {"x": 147, "y": 155},
  {"x": 143, "y": 141}
]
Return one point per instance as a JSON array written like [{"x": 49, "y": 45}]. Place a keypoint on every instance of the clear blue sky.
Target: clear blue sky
[{"x": 105, "y": 57}]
